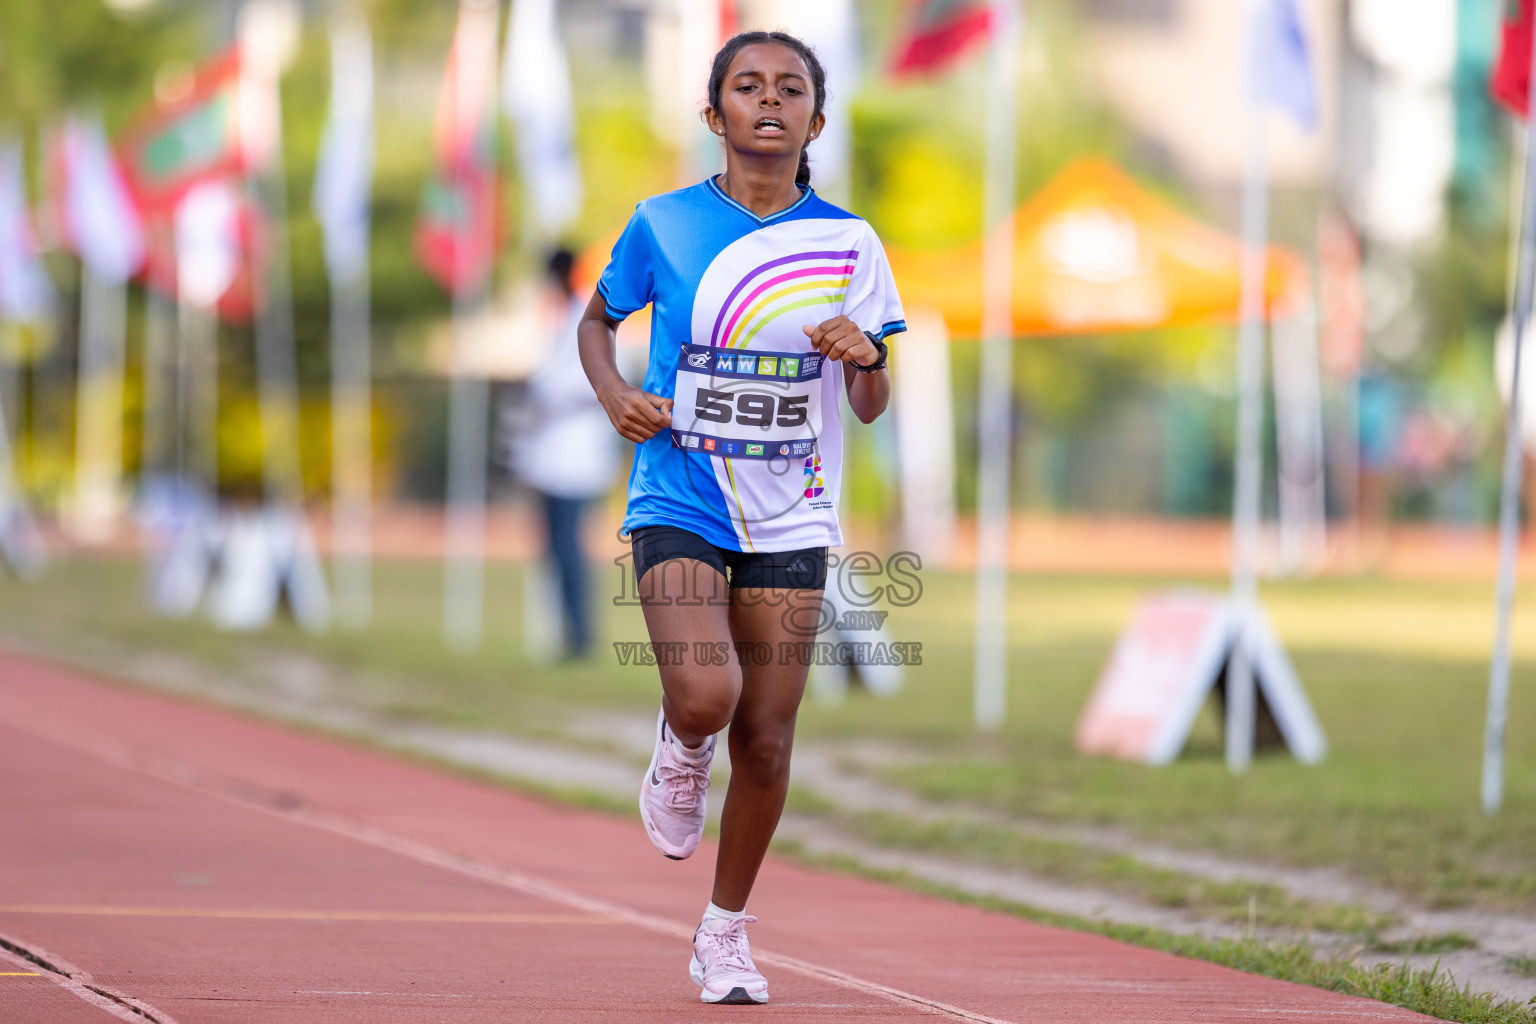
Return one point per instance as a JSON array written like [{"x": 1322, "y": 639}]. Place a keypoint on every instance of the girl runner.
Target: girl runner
[{"x": 768, "y": 304}]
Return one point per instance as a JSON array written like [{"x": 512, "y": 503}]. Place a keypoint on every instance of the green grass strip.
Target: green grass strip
[
  {"x": 1238, "y": 902},
  {"x": 1430, "y": 992}
]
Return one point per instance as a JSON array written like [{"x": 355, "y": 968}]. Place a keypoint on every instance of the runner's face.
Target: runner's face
[{"x": 766, "y": 103}]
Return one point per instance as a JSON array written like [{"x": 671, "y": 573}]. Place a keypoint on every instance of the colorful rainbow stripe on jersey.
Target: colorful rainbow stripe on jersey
[{"x": 809, "y": 279}]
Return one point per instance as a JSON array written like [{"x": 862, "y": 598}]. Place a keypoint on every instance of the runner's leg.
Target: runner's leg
[
  {"x": 780, "y": 623},
  {"x": 685, "y": 602}
]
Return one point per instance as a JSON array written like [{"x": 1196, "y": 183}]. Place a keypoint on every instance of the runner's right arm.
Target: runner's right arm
[{"x": 637, "y": 415}]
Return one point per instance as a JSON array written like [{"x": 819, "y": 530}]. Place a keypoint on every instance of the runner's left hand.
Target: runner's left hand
[{"x": 840, "y": 339}]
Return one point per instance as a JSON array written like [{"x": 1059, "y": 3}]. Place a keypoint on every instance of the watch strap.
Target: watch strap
[{"x": 880, "y": 347}]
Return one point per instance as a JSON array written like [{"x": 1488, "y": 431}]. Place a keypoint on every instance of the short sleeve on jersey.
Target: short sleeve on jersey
[
  {"x": 628, "y": 282},
  {"x": 872, "y": 302}
]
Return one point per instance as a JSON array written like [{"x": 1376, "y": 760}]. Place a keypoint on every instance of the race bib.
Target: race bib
[{"x": 747, "y": 405}]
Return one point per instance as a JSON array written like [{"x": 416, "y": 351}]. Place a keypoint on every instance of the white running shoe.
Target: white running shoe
[
  {"x": 672, "y": 795},
  {"x": 722, "y": 963}
]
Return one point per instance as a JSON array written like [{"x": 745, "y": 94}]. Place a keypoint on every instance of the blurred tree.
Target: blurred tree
[
  {"x": 917, "y": 177},
  {"x": 83, "y": 54}
]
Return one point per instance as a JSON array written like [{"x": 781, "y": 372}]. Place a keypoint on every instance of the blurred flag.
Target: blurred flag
[
  {"x": 456, "y": 230},
  {"x": 198, "y": 138},
  {"x": 209, "y": 249},
  {"x": 1510, "y": 83},
  {"x": 99, "y": 217},
  {"x": 939, "y": 33},
  {"x": 1282, "y": 69},
  {"x": 344, "y": 174},
  {"x": 175, "y": 145},
  {"x": 536, "y": 89},
  {"x": 26, "y": 293},
  {"x": 166, "y": 273}
]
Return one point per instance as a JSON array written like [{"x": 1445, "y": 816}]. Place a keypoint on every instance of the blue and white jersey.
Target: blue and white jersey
[{"x": 753, "y": 461}]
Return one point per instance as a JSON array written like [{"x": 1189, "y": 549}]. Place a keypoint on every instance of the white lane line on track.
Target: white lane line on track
[
  {"x": 256, "y": 797},
  {"x": 80, "y": 984},
  {"x": 533, "y": 886}
]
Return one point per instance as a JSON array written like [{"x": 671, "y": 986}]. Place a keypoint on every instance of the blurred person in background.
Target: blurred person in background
[{"x": 566, "y": 452}]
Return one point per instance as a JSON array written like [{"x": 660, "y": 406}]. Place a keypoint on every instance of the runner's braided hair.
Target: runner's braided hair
[{"x": 737, "y": 43}]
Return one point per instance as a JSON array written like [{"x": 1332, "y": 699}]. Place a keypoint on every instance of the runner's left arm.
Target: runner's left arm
[
  {"x": 870, "y": 304},
  {"x": 840, "y": 340}
]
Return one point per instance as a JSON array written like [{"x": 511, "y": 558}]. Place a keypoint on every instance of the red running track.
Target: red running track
[{"x": 167, "y": 862}]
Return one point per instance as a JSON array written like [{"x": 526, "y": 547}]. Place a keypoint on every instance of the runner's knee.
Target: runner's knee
[
  {"x": 763, "y": 756},
  {"x": 701, "y": 703}
]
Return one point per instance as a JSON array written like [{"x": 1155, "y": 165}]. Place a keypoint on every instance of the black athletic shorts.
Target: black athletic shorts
[{"x": 805, "y": 569}]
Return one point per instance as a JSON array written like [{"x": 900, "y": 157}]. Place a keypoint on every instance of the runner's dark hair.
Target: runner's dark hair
[{"x": 741, "y": 40}]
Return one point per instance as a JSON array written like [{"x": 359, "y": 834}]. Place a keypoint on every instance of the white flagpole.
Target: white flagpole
[
  {"x": 996, "y": 375},
  {"x": 197, "y": 396},
  {"x": 206, "y": 262},
  {"x": 351, "y": 333},
  {"x": 1509, "y": 497},
  {"x": 99, "y": 406},
  {"x": 276, "y": 360},
  {"x": 469, "y": 411},
  {"x": 158, "y": 421},
  {"x": 1249, "y": 458},
  {"x": 351, "y": 446},
  {"x": 109, "y": 238},
  {"x": 1299, "y": 432},
  {"x": 468, "y": 421},
  {"x": 12, "y": 501},
  {"x": 269, "y": 35}
]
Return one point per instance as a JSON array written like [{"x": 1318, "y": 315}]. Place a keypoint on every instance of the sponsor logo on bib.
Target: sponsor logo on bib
[{"x": 814, "y": 484}]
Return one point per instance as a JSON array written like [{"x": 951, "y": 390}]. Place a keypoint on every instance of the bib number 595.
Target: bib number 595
[{"x": 751, "y": 408}]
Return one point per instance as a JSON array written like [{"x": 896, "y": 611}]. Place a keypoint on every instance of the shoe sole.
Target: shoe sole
[
  {"x": 737, "y": 996},
  {"x": 650, "y": 830}
]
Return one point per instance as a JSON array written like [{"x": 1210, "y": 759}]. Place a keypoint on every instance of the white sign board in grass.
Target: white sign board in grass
[{"x": 1167, "y": 663}]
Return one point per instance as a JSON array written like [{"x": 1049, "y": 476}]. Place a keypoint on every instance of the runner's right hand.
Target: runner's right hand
[{"x": 637, "y": 415}]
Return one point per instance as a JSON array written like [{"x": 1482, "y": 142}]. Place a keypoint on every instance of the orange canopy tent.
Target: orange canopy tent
[{"x": 1095, "y": 252}]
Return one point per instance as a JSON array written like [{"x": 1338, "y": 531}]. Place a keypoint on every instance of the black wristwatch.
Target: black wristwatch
[{"x": 878, "y": 364}]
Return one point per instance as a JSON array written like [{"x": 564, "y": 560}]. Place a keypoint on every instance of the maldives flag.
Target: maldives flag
[
  {"x": 939, "y": 33},
  {"x": 235, "y": 237},
  {"x": 179, "y": 145},
  {"x": 176, "y": 144},
  {"x": 456, "y": 229},
  {"x": 1511, "y": 79}
]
